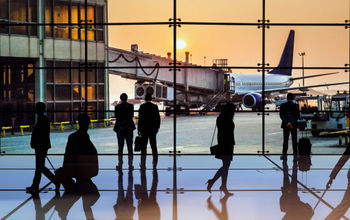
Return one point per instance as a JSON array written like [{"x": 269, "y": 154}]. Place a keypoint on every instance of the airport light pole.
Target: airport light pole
[{"x": 302, "y": 54}]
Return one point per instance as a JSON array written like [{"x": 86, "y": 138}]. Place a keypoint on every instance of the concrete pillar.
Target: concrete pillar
[{"x": 40, "y": 85}]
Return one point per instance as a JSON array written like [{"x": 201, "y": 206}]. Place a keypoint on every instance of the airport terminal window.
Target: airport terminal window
[
  {"x": 18, "y": 13},
  {"x": 61, "y": 15},
  {"x": 4, "y": 15},
  {"x": 48, "y": 18},
  {"x": 73, "y": 13},
  {"x": 90, "y": 19},
  {"x": 75, "y": 20},
  {"x": 65, "y": 84}
]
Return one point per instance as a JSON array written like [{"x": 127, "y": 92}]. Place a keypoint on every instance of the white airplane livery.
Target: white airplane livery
[{"x": 247, "y": 88}]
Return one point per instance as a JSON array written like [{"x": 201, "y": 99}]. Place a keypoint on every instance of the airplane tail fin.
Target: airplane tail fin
[{"x": 286, "y": 58}]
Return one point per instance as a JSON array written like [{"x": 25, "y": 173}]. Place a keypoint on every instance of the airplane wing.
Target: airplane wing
[
  {"x": 305, "y": 77},
  {"x": 302, "y": 88}
]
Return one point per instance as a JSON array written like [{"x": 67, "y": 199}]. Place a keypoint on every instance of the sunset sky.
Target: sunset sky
[{"x": 241, "y": 45}]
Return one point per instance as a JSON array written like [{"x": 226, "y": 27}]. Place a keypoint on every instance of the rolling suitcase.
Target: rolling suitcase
[{"x": 304, "y": 145}]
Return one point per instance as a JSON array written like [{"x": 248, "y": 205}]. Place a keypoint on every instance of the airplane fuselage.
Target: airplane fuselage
[{"x": 252, "y": 83}]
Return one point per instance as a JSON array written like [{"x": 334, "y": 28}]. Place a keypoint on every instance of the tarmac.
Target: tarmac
[{"x": 193, "y": 136}]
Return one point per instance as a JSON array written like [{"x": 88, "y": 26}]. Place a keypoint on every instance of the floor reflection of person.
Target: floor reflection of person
[
  {"x": 148, "y": 208},
  {"x": 40, "y": 210},
  {"x": 86, "y": 190},
  {"x": 125, "y": 209},
  {"x": 226, "y": 141},
  {"x": 344, "y": 205},
  {"x": 223, "y": 215},
  {"x": 290, "y": 202}
]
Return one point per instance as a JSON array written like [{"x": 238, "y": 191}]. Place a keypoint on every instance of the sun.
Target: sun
[{"x": 180, "y": 44}]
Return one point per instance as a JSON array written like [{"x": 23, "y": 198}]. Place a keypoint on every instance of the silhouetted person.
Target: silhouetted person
[
  {"x": 80, "y": 158},
  {"x": 148, "y": 208},
  {"x": 148, "y": 127},
  {"x": 290, "y": 202},
  {"x": 289, "y": 114},
  {"x": 124, "y": 208},
  {"x": 85, "y": 189},
  {"x": 223, "y": 215},
  {"x": 40, "y": 142},
  {"x": 226, "y": 141},
  {"x": 344, "y": 205},
  {"x": 124, "y": 127}
]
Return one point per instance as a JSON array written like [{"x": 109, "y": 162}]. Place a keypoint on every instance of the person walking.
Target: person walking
[
  {"x": 40, "y": 142},
  {"x": 148, "y": 127},
  {"x": 226, "y": 141},
  {"x": 289, "y": 114},
  {"x": 124, "y": 127}
]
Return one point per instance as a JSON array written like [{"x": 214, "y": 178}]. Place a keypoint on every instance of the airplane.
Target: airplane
[{"x": 247, "y": 88}]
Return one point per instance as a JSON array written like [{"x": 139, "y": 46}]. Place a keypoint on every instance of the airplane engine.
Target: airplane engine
[{"x": 252, "y": 100}]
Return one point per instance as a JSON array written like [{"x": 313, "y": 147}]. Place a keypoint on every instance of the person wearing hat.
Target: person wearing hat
[{"x": 148, "y": 127}]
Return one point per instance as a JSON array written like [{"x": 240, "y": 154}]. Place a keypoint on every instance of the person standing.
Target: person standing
[
  {"x": 289, "y": 114},
  {"x": 124, "y": 127},
  {"x": 226, "y": 141},
  {"x": 40, "y": 142},
  {"x": 148, "y": 127}
]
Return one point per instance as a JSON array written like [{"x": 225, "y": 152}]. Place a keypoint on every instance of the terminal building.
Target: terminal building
[{"x": 46, "y": 63}]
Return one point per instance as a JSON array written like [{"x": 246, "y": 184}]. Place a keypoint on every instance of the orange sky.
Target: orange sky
[{"x": 324, "y": 46}]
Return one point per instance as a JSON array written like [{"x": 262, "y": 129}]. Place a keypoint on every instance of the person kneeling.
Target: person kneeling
[{"x": 80, "y": 158}]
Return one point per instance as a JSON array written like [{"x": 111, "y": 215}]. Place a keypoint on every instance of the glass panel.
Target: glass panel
[
  {"x": 318, "y": 44},
  {"x": 49, "y": 72},
  {"x": 75, "y": 72},
  {"x": 76, "y": 109},
  {"x": 100, "y": 73},
  {"x": 76, "y": 93},
  {"x": 241, "y": 46},
  {"x": 48, "y": 17},
  {"x": 100, "y": 19},
  {"x": 91, "y": 92},
  {"x": 62, "y": 72},
  {"x": 32, "y": 15},
  {"x": 92, "y": 107},
  {"x": 62, "y": 93},
  {"x": 50, "y": 111},
  {"x": 75, "y": 20},
  {"x": 222, "y": 11},
  {"x": 306, "y": 12},
  {"x": 61, "y": 16},
  {"x": 92, "y": 73},
  {"x": 63, "y": 112},
  {"x": 101, "y": 109},
  {"x": 139, "y": 11},
  {"x": 90, "y": 19},
  {"x": 49, "y": 93},
  {"x": 101, "y": 92},
  {"x": 18, "y": 13},
  {"x": 4, "y": 14}
]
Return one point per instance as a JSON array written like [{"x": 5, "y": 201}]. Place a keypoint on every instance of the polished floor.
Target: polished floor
[{"x": 263, "y": 187}]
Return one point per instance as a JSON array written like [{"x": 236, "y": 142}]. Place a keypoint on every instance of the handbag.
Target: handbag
[
  {"x": 137, "y": 144},
  {"x": 216, "y": 149}
]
